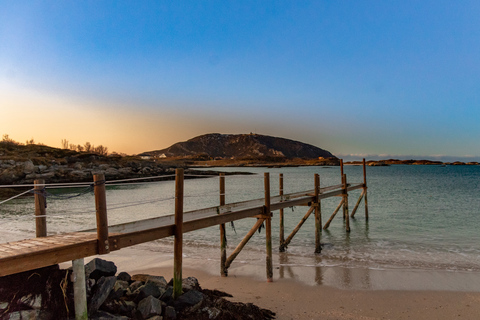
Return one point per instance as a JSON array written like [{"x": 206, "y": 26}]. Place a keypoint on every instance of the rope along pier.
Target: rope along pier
[{"x": 48, "y": 250}]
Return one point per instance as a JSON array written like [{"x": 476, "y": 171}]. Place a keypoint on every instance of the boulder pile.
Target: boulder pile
[{"x": 47, "y": 293}]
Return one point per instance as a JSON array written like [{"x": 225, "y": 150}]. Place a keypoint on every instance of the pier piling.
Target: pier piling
[
  {"x": 101, "y": 213},
  {"x": 40, "y": 209},
  {"x": 79, "y": 289},
  {"x": 268, "y": 228},
  {"x": 178, "y": 242},
  {"x": 223, "y": 236},
  {"x": 282, "y": 223},
  {"x": 345, "y": 203},
  {"x": 318, "y": 215},
  {"x": 365, "y": 189}
]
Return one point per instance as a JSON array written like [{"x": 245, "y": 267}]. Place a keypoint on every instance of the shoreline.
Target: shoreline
[
  {"x": 294, "y": 298},
  {"x": 338, "y": 277}
]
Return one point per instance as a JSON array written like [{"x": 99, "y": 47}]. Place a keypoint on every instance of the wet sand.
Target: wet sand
[{"x": 327, "y": 292}]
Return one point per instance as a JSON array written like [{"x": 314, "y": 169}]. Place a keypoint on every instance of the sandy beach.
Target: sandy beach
[{"x": 331, "y": 293}]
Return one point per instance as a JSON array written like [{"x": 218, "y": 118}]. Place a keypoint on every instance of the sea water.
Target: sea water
[{"x": 420, "y": 217}]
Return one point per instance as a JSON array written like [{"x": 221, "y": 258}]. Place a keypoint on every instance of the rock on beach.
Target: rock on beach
[{"x": 47, "y": 294}]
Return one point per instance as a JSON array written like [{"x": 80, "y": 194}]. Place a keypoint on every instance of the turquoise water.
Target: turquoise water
[{"x": 420, "y": 217}]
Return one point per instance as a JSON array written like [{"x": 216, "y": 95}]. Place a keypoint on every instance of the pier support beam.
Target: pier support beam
[
  {"x": 333, "y": 214},
  {"x": 352, "y": 215},
  {"x": 345, "y": 204},
  {"x": 318, "y": 215},
  {"x": 341, "y": 176},
  {"x": 223, "y": 236},
  {"x": 299, "y": 225},
  {"x": 268, "y": 228},
  {"x": 178, "y": 242},
  {"x": 242, "y": 244},
  {"x": 282, "y": 223},
  {"x": 79, "y": 290},
  {"x": 362, "y": 195},
  {"x": 365, "y": 189}
]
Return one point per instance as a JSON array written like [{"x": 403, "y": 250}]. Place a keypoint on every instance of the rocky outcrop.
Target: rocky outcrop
[
  {"x": 22, "y": 164},
  {"x": 23, "y": 172},
  {"x": 242, "y": 146}
]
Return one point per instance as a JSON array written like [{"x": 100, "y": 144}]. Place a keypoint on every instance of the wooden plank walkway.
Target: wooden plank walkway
[
  {"x": 39, "y": 252},
  {"x": 35, "y": 253}
]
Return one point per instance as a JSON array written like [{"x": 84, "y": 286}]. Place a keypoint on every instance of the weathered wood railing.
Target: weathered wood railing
[
  {"x": 43, "y": 251},
  {"x": 115, "y": 237}
]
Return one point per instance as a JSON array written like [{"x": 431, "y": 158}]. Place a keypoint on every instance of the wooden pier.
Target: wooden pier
[{"x": 46, "y": 250}]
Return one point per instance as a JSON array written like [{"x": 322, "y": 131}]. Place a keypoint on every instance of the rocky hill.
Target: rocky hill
[
  {"x": 22, "y": 164},
  {"x": 242, "y": 146}
]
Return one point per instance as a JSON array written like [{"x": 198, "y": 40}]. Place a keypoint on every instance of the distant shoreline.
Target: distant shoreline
[
  {"x": 22, "y": 164},
  {"x": 315, "y": 162}
]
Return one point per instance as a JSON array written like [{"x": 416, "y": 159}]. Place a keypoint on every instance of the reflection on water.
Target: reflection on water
[
  {"x": 284, "y": 267},
  {"x": 318, "y": 276},
  {"x": 372, "y": 279},
  {"x": 358, "y": 278}
]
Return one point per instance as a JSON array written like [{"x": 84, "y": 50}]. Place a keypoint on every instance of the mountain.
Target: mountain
[{"x": 241, "y": 146}]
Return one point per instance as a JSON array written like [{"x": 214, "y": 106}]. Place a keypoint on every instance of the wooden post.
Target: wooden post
[
  {"x": 268, "y": 228},
  {"x": 365, "y": 189},
  {"x": 345, "y": 204},
  {"x": 178, "y": 242},
  {"x": 282, "y": 224},
  {"x": 344, "y": 192},
  {"x": 79, "y": 290},
  {"x": 223, "y": 235},
  {"x": 341, "y": 176},
  {"x": 101, "y": 210},
  {"x": 318, "y": 215},
  {"x": 40, "y": 210}
]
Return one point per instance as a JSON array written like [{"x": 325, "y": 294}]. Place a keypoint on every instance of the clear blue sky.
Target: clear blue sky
[{"x": 395, "y": 78}]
